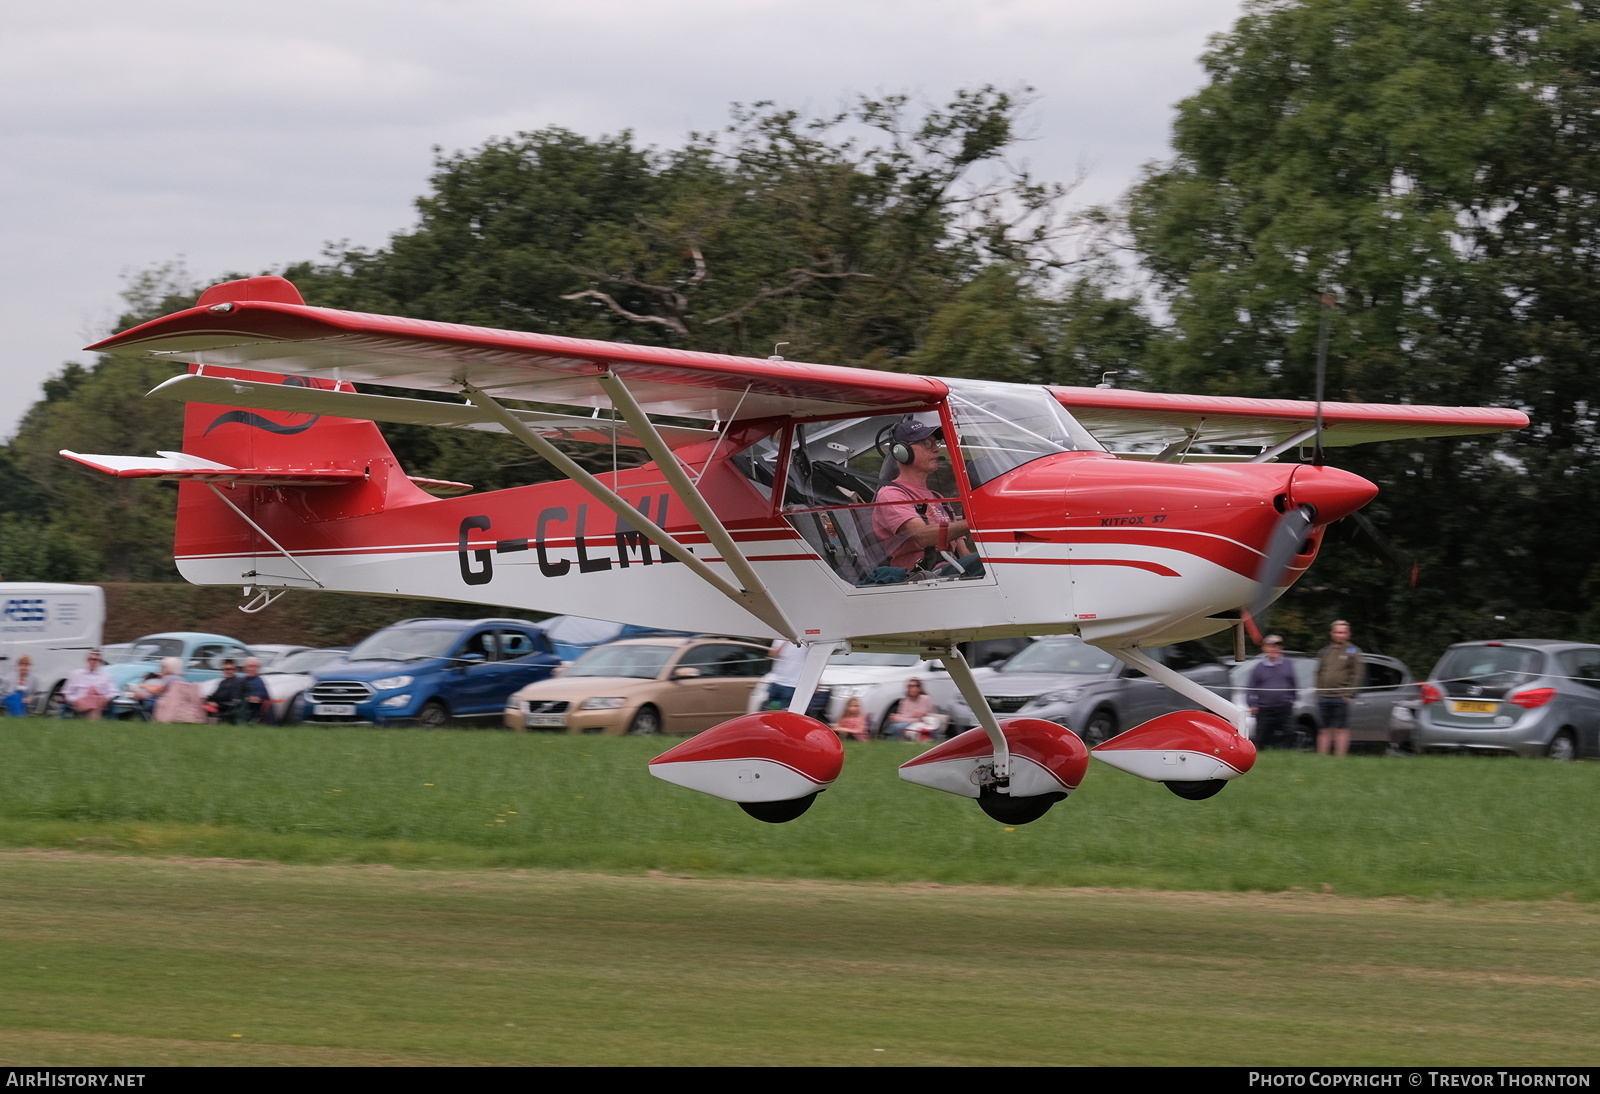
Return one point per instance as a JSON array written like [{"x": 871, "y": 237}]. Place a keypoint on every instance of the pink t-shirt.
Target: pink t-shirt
[{"x": 887, "y": 519}]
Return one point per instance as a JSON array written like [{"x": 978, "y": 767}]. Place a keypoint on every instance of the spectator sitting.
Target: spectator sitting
[
  {"x": 256, "y": 704},
  {"x": 223, "y": 705},
  {"x": 852, "y": 721},
  {"x": 149, "y": 691},
  {"x": 21, "y": 689},
  {"x": 88, "y": 690}
]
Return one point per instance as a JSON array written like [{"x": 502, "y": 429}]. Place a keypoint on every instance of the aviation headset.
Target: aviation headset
[{"x": 902, "y": 435}]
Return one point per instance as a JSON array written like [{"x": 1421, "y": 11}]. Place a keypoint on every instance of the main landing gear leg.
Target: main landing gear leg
[
  {"x": 1016, "y": 770},
  {"x": 817, "y": 655}
]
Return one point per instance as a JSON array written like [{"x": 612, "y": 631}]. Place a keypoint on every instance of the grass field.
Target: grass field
[
  {"x": 1367, "y": 826},
  {"x": 231, "y": 897},
  {"x": 128, "y": 961}
]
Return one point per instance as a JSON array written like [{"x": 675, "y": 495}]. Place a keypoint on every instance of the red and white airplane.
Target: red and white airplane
[{"x": 765, "y": 509}]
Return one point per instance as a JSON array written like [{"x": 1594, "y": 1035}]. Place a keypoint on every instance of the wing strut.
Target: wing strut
[
  {"x": 1283, "y": 446},
  {"x": 1191, "y": 690},
  {"x": 956, "y": 665},
  {"x": 753, "y": 598}
]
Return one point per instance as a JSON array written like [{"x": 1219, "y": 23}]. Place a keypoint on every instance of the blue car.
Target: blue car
[{"x": 428, "y": 672}]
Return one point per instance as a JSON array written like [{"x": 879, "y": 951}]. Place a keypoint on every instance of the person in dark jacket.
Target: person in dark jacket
[
  {"x": 256, "y": 703},
  {"x": 224, "y": 702},
  {"x": 1271, "y": 694}
]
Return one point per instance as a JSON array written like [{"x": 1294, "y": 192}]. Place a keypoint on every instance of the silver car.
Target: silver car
[
  {"x": 1529, "y": 696},
  {"x": 1069, "y": 682}
]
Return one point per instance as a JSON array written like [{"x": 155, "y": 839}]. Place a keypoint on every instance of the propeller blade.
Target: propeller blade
[
  {"x": 1287, "y": 536},
  {"x": 1401, "y": 563}
]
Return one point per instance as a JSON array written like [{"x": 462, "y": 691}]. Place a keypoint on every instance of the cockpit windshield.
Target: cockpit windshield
[{"x": 1003, "y": 426}]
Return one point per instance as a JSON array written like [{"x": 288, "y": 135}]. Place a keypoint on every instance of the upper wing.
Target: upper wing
[
  {"x": 1129, "y": 420},
  {"x": 259, "y": 324}
]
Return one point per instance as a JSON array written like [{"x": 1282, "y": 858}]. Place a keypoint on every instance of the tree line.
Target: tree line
[{"x": 1432, "y": 165}]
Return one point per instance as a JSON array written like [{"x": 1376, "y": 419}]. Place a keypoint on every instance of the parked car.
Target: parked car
[
  {"x": 270, "y": 653},
  {"x": 1067, "y": 681},
  {"x": 644, "y": 685},
  {"x": 1528, "y": 696},
  {"x": 878, "y": 680},
  {"x": 1379, "y": 716},
  {"x": 288, "y": 679},
  {"x": 429, "y": 671},
  {"x": 572, "y": 636},
  {"x": 202, "y": 656}
]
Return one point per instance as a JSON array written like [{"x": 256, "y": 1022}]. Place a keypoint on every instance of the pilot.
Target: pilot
[{"x": 915, "y": 520}]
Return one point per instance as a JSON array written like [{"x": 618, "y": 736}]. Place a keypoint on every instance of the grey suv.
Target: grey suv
[
  {"x": 1069, "y": 682},
  {"x": 1530, "y": 696}
]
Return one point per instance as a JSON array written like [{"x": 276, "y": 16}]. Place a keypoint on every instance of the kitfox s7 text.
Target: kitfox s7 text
[{"x": 834, "y": 507}]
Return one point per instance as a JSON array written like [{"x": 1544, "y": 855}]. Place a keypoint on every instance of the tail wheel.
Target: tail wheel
[
  {"x": 433, "y": 715},
  {"x": 1564, "y": 748},
  {"x": 1008, "y": 810},
  {"x": 1197, "y": 791},
  {"x": 647, "y": 723},
  {"x": 779, "y": 812}
]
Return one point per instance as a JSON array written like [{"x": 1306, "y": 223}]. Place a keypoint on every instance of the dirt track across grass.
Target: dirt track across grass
[{"x": 129, "y": 962}]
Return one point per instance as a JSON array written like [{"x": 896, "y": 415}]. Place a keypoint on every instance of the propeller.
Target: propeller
[{"x": 1285, "y": 542}]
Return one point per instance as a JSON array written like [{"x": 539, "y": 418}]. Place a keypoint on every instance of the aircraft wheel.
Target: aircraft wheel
[
  {"x": 647, "y": 723},
  {"x": 1197, "y": 791},
  {"x": 1101, "y": 728},
  {"x": 433, "y": 715},
  {"x": 779, "y": 812},
  {"x": 1008, "y": 810}
]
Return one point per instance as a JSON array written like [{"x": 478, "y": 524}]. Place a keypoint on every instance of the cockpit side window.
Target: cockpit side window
[{"x": 866, "y": 492}]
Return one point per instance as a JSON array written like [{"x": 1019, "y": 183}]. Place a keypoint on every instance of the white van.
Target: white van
[{"x": 56, "y": 625}]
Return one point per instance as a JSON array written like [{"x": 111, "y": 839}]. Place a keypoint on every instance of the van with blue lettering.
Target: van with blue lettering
[{"x": 54, "y": 625}]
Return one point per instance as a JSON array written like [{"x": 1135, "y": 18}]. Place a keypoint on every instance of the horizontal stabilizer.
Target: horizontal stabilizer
[
  {"x": 184, "y": 467},
  {"x": 295, "y": 399}
]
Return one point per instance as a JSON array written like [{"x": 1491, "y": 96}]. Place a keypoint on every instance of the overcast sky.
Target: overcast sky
[{"x": 240, "y": 137}]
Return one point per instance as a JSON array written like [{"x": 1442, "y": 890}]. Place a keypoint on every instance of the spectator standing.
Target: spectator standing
[
  {"x": 788, "y": 660},
  {"x": 1339, "y": 668},
  {"x": 1271, "y": 694}
]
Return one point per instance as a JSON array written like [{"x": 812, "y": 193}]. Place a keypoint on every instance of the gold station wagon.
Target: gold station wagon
[{"x": 644, "y": 685}]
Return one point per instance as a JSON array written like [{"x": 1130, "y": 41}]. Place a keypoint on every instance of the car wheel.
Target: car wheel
[
  {"x": 53, "y": 703},
  {"x": 646, "y": 723},
  {"x": 1564, "y": 748},
  {"x": 1101, "y": 728},
  {"x": 291, "y": 710},
  {"x": 433, "y": 715}
]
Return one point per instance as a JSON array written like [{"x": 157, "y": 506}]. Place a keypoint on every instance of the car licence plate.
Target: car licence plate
[
  {"x": 334, "y": 710},
  {"x": 1473, "y": 706},
  {"x": 545, "y": 720}
]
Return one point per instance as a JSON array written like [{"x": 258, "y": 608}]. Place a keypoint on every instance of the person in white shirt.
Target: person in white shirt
[{"x": 89, "y": 689}]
